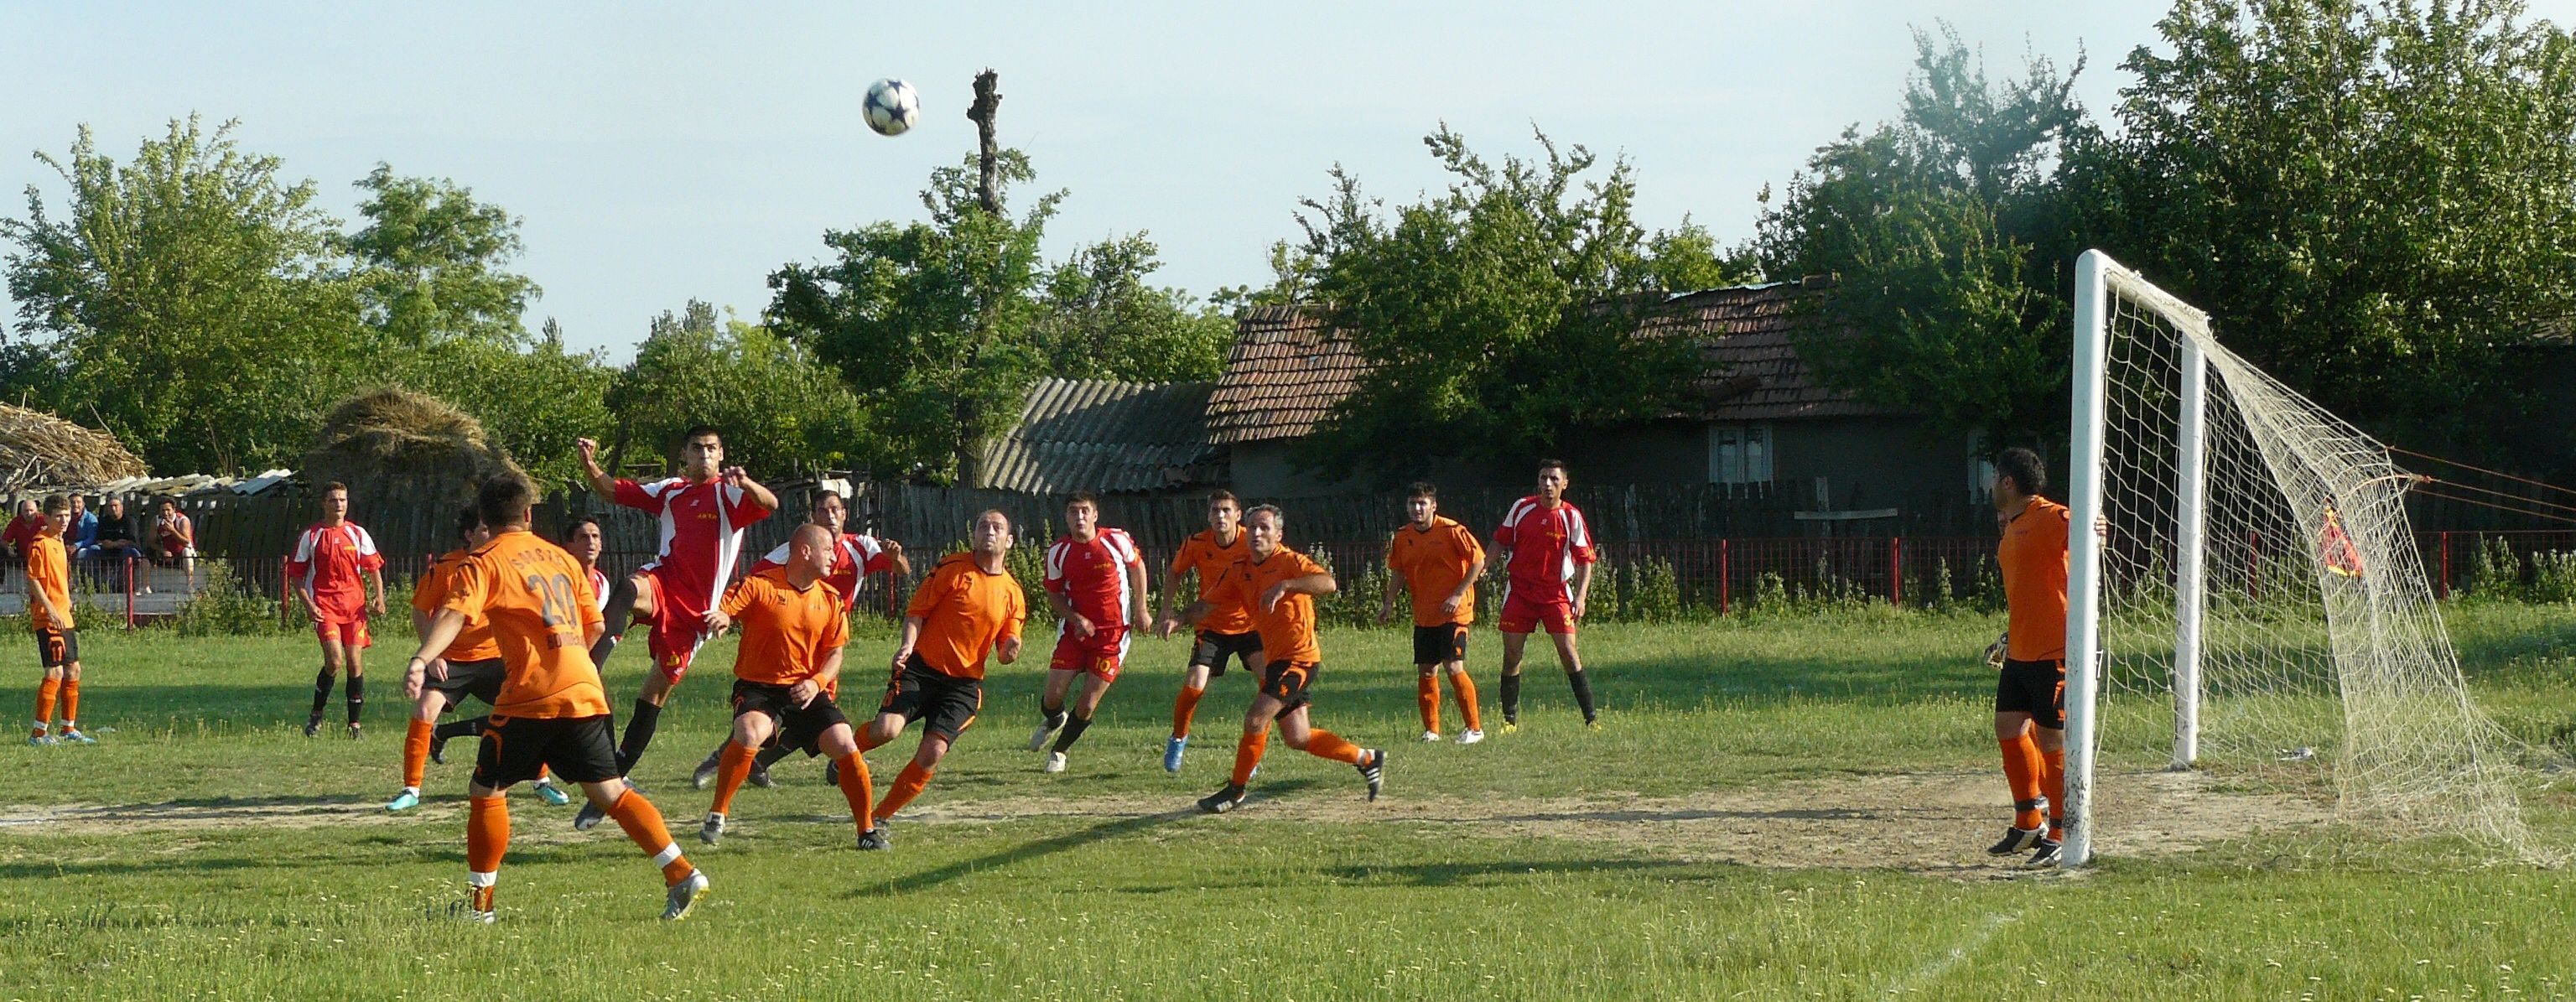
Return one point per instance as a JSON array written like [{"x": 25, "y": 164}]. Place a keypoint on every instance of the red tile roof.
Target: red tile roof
[{"x": 1284, "y": 373}]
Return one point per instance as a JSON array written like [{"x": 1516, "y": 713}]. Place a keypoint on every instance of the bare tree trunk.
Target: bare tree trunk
[{"x": 988, "y": 100}]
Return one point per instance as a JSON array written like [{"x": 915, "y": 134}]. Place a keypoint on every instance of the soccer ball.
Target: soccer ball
[{"x": 892, "y": 106}]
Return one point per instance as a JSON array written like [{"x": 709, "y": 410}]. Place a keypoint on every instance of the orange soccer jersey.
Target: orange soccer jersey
[
  {"x": 963, "y": 613},
  {"x": 48, "y": 571},
  {"x": 1203, "y": 554},
  {"x": 2033, "y": 558},
  {"x": 787, "y": 632},
  {"x": 1288, "y": 629},
  {"x": 539, "y": 606},
  {"x": 1434, "y": 561},
  {"x": 474, "y": 642}
]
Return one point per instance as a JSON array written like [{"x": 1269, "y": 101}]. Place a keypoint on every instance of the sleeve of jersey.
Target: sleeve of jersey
[
  {"x": 429, "y": 593},
  {"x": 1578, "y": 536},
  {"x": 368, "y": 558},
  {"x": 1019, "y": 615},
  {"x": 745, "y": 508},
  {"x": 634, "y": 495},
  {"x": 467, "y": 591},
  {"x": 836, "y": 635},
  {"x": 303, "y": 555},
  {"x": 774, "y": 558},
  {"x": 1468, "y": 547},
  {"x": 926, "y": 598},
  {"x": 1503, "y": 533},
  {"x": 876, "y": 559},
  {"x": 1055, "y": 558},
  {"x": 1184, "y": 558},
  {"x": 739, "y": 597},
  {"x": 1394, "y": 545}
]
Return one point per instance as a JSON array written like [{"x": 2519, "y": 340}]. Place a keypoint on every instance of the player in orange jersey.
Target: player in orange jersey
[
  {"x": 787, "y": 674},
  {"x": 553, "y": 713},
  {"x": 49, "y": 615},
  {"x": 1437, "y": 562},
  {"x": 1226, "y": 632},
  {"x": 340, "y": 577},
  {"x": 2030, "y": 692},
  {"x": 1280, "y": 586},
  {"x": 970, "y": 609},
  {"x": 472, "y": 667},
  {"x": 1095, "y": 581}
]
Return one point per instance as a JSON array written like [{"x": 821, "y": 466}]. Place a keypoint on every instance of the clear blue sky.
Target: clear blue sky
[{"x": 663, "y": 152}]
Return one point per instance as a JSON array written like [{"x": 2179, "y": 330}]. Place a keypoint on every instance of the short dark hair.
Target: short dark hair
[
  {"x": 814, "y": 498},
  {"x": 1083, "y": 497},
  {"x": 335, "y": 486},
  {"x": 467, "y": 521},
  {"x": 1421, "y": 489},
  {"x": 2025, "y": 468},
  {"x": 58, "y": 503},
  {"x": 1223, "y": 495},
  {"x": 1545, "y": 465},
  {"x": 505, "y": 499},
  {"x": 573, "y": 527},
  {"x": 699, "y": 431}
]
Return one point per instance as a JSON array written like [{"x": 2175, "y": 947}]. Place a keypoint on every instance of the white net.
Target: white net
[{"x": 2323, "y": 667}]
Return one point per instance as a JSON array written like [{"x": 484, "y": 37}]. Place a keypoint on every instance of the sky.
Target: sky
[{"x": 662, "y": 152}]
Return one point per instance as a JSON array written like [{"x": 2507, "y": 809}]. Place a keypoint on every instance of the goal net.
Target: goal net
[{"x": 2258, "y": 602}]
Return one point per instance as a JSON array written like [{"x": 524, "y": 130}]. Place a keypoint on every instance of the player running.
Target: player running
[
  {"x": 553, "y": 712},
  {"x": 331, "y": 559},
  {"x": 853, "y": 555},
  {"x": 970, "y": 609},
  {"x": 49, "y": 615},
  {"x": 1280, "y": 586},
  {"x": 472, "y": 666},
  {"x": 1437, "y": 561},
  {"x": 1224, "y": 633},
  {"x": 1547, "y": 547},
  {"x": 2032, "y": 687},
  {"x": 702, "y": 513},
  {"x": 1095, "y": 582},
  {"x": 788, "y": 673}
]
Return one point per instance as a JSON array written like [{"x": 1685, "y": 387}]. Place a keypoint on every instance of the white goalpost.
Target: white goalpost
[{"x": 2256, "y": 607}]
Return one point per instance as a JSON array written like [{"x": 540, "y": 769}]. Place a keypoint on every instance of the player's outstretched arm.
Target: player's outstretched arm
[
  {"x": 1318, "y": 584},
  {"x": 601, "y": 484},
  {"x": 759, "y": 495}
]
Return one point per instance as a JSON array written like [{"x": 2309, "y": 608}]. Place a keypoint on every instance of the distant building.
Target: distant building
[{"x": 1105, "y": 436}]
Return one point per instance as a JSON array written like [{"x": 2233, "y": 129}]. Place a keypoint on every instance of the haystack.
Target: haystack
[
  {"x": 39, "y": 449},
  {"x": 400, "y": 448}
]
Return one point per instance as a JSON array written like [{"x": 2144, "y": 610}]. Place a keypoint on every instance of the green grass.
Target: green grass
[{"x": 1302, "y": 895}]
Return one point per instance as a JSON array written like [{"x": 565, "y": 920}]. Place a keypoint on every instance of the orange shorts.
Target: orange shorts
[
  {"x": 1101, "y": 654},
  {"x": 1525, "y": 616}
]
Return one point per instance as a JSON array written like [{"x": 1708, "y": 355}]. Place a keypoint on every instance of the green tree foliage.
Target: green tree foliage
[
  {"x": 1947, "y": 232},
  {"x": 2374, "y": 201},
  {"x": 533, "y": 399},
  {"x": 1468, "y": 305},
  {"x": 430, "y": 263},
  {"x": 1098, "y": 319},
  {"x": 779, "y": 409},
  {"x": 187, "y": 299}
]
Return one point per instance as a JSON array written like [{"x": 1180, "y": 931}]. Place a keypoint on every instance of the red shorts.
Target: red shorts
[
  {"x": 679, "y": 626},
  {"x": 346, "y": 627},
  {"x": 1101, "y": 654},
  {"x": 1527, "y": 615}
]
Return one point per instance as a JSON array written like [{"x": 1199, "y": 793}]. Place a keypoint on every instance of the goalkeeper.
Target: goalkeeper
[{"x": 2030, "y": 693}]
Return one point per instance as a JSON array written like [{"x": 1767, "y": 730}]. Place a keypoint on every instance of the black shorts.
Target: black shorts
[
  {"x": 578, "y": 749},
  {"x": 946, "y": 704},
  {"x": 1439, "y": 645},
  {"x": 1213, "y": 649},
  {"x": 2037, "y": 688},
  {"x": 57, "y": 648},
  {"x": 479, "y": 679},
  {"x": 1287, "y": 681},
  {"x": 799, "y": 727}
]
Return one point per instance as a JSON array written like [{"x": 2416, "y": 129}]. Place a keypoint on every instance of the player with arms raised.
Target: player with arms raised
[
  {"x": 1224, "y": 633},
  {"x": 1547, "y": 546},
  {"x": 2030, "y": 694},
  {"x": 787, "y": 674},
  {"x": 1436, "y": 561},
  {"x": 1095, "y": 582},
  {"x": 969, "y": 610},
  {"x": 341, "y": 579}
]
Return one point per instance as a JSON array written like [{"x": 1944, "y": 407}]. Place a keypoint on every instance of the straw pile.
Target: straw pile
[
  {"x": 397, "y": 447},
  {"x": 39, "y": 449}
]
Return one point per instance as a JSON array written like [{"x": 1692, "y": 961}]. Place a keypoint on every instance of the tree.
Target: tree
[
  {"x": 777, "y": 407},
  {"x": 1097, "y": 319},
  {"x": 430, "y": 265},
  {"x": 188, "y": 299},
  {"x": 532, "y": 400},
  {"x": 1468, "y": 304}
]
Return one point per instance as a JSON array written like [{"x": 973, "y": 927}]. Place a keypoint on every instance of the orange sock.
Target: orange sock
[
  {"x": 487, "y": 837},
  {"x": 866, "y": 739},
  {"x": 416, "y": 752},
  {"x": 858, "y": 788},
  {"x": 2021, "y": 769},
  {"x": 1184, "y": 707},
  {"x": 71, "y": 702},
  {"x": 1247, "y": 755},
  {"x": 907, "y": 785},
  {"x": 2052, "y": 781},
  {"x": 1322, "y": 743},
  {"x": 643, "y": 823},
  {"x": 731, "y": 770},
  {"x": 45, "y": 693},
  {"x": 1426, "y": 696},
  {"x": 1465, "y": 688}
]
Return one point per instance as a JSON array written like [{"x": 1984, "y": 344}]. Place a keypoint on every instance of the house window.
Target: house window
[{"x": 1739, "y": 454}]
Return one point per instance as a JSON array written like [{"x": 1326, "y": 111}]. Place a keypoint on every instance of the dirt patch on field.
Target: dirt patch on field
[{"x": 1934, "y": 824}]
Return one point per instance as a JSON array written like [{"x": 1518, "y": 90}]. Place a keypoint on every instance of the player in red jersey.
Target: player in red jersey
[
  {"x": 1095, "y": 582},
  {"x": 702, "y": 513},
  {"x": 583, "y": 539},
  {"x": 1547, "y": 547},
  {"x": 340, "y": 577},
  {"x": 853, "y": 555}
]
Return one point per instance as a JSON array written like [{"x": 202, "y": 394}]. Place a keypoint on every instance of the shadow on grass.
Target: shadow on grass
[
  {"x": 1447, "y": 874},
  {"x": 1048, "y": 846},
  {"x": 222, "y": 811},
  {"x": 132, "y": 868}
]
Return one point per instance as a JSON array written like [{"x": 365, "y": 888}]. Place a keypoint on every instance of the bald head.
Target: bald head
[{"x": 809, "y": 552}]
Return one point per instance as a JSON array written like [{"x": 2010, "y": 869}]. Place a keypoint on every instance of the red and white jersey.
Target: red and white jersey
[
  {"x": 330, "y": 562},
  {"x": 1094, "y": 577},
  {"x": 599, "y": 587},
  {"x": 701, "y": 534},
  {"x": 1547, "y": 545},
  {"x": 854, "y": 555}
]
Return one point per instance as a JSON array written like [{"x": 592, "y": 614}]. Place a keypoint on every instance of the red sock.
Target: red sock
[
  {"x": 45, "y": 693},
  {"x": 858, "y": 788},
  {"x": 416, "y": 752},
  {"x": 731, "y": 770},
  {"x": 1322, "y": 743},
  {"x": 71, "y": 702},
  {"x": 1426, "y": 697},
  {"x": 2021, "y": 770},
  {"x": 2052, "y": 781},
  {"x": 907, "y": 785},
  {"x": 1185, "y": 707},
  {"x": 1247, "y": 755},
  {"x": 643, "y": 823},
  {"x": 487, "y": 837},
  {"x": 1465, "y": 688}
]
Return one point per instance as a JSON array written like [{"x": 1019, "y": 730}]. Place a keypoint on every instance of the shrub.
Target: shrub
[{"x": 222, "y": 607}]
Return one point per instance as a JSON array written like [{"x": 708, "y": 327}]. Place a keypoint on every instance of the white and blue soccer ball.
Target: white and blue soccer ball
[{"x": 892, "y": 107}]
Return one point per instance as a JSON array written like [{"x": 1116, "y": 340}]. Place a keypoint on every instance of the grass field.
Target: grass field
[{"x": 1774, "y": 809}]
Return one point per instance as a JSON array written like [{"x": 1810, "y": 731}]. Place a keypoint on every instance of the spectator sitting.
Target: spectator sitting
[
  {"x": 80, "y": 539},
  {"x": 22, "y": 530},
  {"x": 114, "y": 546},
  {"x": 175, "y": 538}
]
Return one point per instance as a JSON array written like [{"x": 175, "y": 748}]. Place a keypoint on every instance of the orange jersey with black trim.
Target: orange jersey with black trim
[
  {"x": 788, "y": 633},
  {"x": 1287, "y": 629},
  {"x": 48, "y": 571},
  {"x": 1434, "y": 562},
  {"x": 964, "y": 612},
  {"x": 2033, "y": 558},
  {"x": 1203, "y": 555},
  {"x": 540, "y": 608},
  {"x": 474, "y": 642}
]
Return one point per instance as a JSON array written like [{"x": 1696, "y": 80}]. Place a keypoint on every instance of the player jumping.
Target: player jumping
[
  {"x": 1437, "y": 561},
  {"x": 1095, "y": 582},
  {"x": 969, "y": 609},
  {"x": 1547, "y": 546},
  {"x": 788, "y": 673},
  {"x": 2032, "y": 687},
  {"x": 331, "y": 558},
  {"x": 1224, "y": 633}
]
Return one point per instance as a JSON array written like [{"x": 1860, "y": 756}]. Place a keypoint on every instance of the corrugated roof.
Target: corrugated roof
[
  {"x": 1102, "y": 435},
  {"x": 1284, "y": 373}
]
